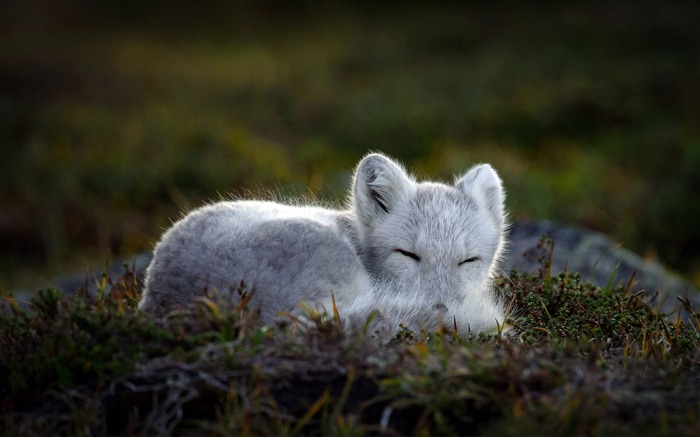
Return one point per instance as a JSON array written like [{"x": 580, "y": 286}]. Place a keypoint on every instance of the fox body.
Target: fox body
[{"x": 418, "y": 253}]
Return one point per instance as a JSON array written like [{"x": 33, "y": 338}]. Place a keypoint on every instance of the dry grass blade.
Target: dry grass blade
[
  {"x": 306, "y": 418},
  {"x": 630, "y": 284},
  {"x": 210, "y": 305},
  {"x": 16, "y": 309},
  {"x": 336, "y": 313},
  {"x": 688, "y": 306}
]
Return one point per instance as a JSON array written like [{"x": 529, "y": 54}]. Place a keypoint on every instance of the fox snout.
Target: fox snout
[{"x": 441, "y": 307}]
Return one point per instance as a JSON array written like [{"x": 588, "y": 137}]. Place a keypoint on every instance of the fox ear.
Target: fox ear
[
  {"x": 379, "y": 185},
  {"x": 483, "y": 185}
]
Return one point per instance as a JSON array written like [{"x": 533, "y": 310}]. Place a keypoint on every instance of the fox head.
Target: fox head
[{"x": 432, "y": 249}]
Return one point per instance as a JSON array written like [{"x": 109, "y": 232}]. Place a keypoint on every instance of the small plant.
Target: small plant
[{"x": 577, "y": 360}]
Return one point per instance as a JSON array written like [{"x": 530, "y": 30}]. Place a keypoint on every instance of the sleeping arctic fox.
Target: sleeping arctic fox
[{"x": 419, "y": 254}]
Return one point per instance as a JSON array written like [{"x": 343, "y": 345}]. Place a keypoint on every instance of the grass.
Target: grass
[
  {"x": 115, "y": 117},
  {"x": 577, "y": 360}
]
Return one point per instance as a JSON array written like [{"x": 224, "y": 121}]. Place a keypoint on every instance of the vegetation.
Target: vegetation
[
  {"x": 578, "y": 360},
  {"x": 116, "y": 116}
]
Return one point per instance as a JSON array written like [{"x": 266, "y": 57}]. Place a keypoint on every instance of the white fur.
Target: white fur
[{"x": 420, "y": 254}]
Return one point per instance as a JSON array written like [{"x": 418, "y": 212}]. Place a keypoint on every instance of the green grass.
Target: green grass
[
  {"x": 115, "y": 117},
  {"x": 577, "y": 360}
]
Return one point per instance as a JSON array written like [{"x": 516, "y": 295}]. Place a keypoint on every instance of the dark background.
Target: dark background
[{"x": 118, "y": 115}]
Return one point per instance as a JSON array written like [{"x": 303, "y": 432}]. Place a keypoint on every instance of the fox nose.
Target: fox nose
[{"x": 441, "y": 307}]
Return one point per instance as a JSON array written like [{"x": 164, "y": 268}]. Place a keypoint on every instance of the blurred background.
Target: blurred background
[{"x": 118, "y": 115}]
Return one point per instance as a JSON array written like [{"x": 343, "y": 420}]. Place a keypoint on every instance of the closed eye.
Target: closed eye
[
  {"x": 470, "y": 260},
  {"x": 408, "y": 254}
]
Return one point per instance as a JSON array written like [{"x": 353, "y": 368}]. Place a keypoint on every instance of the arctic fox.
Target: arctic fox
[{"x": 419, "y": 254}]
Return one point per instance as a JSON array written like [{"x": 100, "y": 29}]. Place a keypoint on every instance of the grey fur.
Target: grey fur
[{"x": 418, "y": 253}]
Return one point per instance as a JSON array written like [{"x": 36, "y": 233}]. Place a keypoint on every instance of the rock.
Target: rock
[{"x": 599, "y": 260}]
